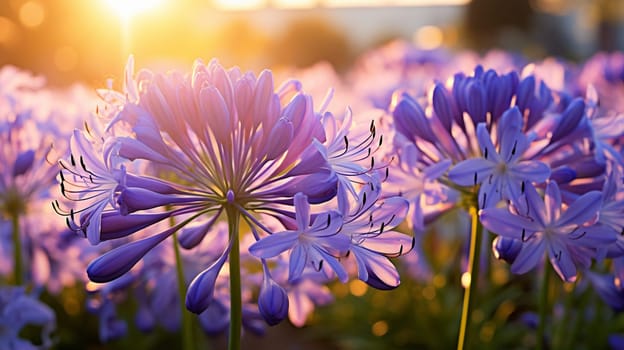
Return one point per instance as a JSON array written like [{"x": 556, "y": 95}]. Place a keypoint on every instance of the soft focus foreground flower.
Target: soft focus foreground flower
[
  {"x": 18, "y": 310},
  {"x": 33, "y": 123},
  {"x": 568, "y": 236},
  {"x": 191, "y": 148}
]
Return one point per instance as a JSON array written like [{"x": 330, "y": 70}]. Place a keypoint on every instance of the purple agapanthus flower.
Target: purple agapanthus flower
[
  {"x": 191, "y": 149},
  {"x": 315, "y": 244},
  {"x": 501, "y": 172},
  {"x": 565, "y": 233},
  {"x": 369, "y": 221}
]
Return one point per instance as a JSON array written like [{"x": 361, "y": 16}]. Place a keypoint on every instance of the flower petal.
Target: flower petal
[
  {"x": 274, "y": 244},
  {"x": 583, "y": 209},
  {"x": 561, "y": 261},
  {"x": 471, "y": 171},
  {"x": 530, "y": 256},
  {"x": 502, "y": 222}
]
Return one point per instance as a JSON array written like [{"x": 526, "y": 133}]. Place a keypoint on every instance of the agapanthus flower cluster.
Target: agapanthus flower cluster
[
  {"x": 32, "y": 138},
  {"x": 184, "y": 152},
  {"x": 491, "y": 139}
]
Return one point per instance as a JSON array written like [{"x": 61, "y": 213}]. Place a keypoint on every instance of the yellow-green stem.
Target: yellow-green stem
[
  {"x": 236, "y": 306},
  {"x": 18, "y": 274},
  {"x": 473, "y": 272},
  {"x": 543, "y": 306},
  {"x": 187, "y": 321}
]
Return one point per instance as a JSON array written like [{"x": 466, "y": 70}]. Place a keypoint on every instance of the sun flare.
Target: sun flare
[{"x": 128, "y": 9}]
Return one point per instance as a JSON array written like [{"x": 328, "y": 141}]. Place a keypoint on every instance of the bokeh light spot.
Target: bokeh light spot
[
  {"x": 358, "y": 288},
  {"x": 465, "y": 279},
  {"x": 379, "y": 328},
  {"x": 429, "y": 37},
  {"x": 31, "y": 14}
]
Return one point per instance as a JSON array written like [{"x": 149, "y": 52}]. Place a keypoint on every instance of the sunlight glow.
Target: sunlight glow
[
  {"x": 239, "y": 5},
  {"x": 128, "y": 9}
]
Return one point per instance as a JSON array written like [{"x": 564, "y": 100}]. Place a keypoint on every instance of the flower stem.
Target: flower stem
[
  {"x": 18, "y": 275},
  {"x": 473, "y": 274},
  {"x": 187, "y": 322},
  {"x": 543, "y": 306},
  {"x": 236, "y": 305},
  {"x": 563, "y": 329}
]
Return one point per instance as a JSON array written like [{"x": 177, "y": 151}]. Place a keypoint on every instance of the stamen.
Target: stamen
[
  {"x": 524, "y": 239},
  {"x": 578, "y": 236},
  {"x": 320, "y": 266}
]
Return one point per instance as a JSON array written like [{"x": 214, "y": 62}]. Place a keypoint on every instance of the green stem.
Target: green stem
[
  {"x": 563, "y": 326},
  {"x": 473, "y": 272},
  {"x": 543, "y": 305},
  {"x": 236, "y": 305},
  {"x": 17, "y": 251},
  {"x": 187, "y": 322}
]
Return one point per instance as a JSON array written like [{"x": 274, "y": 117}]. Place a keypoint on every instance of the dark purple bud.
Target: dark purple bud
[
  {"x": 476, "y": 102},
  {"x": 444, "y": 107},
  {"x": 570, "y": 120},
  {"x": 272, "y": 301},
  {"x": 23, "y": 162},
  {"x": 506, "y": 249},
  {"x": 152, "y": 184},
  {"x": 563, "y": 175},
  {"x": 115, "y": 225},
  {"x": 190, "y": 237},
  {"x": 526, "y": 90},
  {"x": 120, "y": 260},
  {"x": 410, "y": 120},
  {"x": 134, "y": 199},
  {"x": 319, "y": 187},
  {"x": 500, "y": 93},
  {"x": 589, "y": 167},
  {"x": 201, "y": 290}
]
